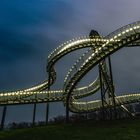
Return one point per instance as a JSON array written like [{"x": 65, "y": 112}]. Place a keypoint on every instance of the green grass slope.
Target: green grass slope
[{"x": 109, "y": 130}]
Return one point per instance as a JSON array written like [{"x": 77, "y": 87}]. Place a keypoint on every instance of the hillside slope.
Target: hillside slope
[{"x": 109, "y": 130}]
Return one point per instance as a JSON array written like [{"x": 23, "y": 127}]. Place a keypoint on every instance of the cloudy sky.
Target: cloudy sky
[{"x": 31, "y": 29}]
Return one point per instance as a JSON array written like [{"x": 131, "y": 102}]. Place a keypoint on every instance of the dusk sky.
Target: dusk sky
[{"x": 31, "y": 29}]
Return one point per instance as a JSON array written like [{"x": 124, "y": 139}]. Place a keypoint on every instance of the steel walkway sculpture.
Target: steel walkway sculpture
[{"x": 99, "y": 48}]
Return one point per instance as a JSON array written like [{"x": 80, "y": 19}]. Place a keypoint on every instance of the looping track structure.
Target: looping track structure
[{"x": 99, "y": 48}]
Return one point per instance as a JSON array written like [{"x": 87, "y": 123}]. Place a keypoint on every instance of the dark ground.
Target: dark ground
[{"x": 107, "y": 130}]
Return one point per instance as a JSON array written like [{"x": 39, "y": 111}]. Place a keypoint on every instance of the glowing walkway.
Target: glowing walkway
[{"x": 99, "y": 48}]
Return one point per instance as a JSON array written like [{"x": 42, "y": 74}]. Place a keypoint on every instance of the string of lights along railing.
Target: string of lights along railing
[{"x": 99, "y": 49}]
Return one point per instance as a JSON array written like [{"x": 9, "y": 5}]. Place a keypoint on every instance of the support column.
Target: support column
[
  {"x": 107, "y": 89},
  {"x": 67, "y": 108},
  {"x": 47, "y": 113},
  {"x": 3, "y": 117},
  {"x": 113, "y": 91},
  {"x": 47, "y": 104},
  {"x": 67, "y": 112},
  {"x": 102, "y": 94},
  {"x": 34, "y": 113}
]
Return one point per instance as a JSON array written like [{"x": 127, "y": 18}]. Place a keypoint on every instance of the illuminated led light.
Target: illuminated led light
[
  {"x": 89, "y": 57},
  {"x": 96, "y": 51},
  {"x": 115, "y": 37},
  {"x": 111, "y": 39},
  {"x": 135, "y": 27},
  {"x": 119, "y": 34}
]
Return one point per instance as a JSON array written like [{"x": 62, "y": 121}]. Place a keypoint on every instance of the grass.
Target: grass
[{"x": 109, "y": 130}]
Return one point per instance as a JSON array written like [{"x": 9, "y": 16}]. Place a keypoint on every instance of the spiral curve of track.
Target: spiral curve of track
[{"x": 99, "y": 48}]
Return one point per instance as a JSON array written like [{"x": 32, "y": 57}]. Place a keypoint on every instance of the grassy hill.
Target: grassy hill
[{"x": 109, "y": 130}]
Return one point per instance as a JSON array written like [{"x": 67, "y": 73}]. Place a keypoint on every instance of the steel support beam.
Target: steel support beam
[
  {"x": 47, "y": 113},
  {"x": 113, "y": 90},
  {"x": 102, "y": 94},
  {"x": 107, "y": 90},
  {"x": 3, "y": 117},
  {"x": 34, "y": 114},
  {"x": 67, "y": 108},
  {"x": 47, "y": 104},
  {"x": 67, "y": 112}
]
